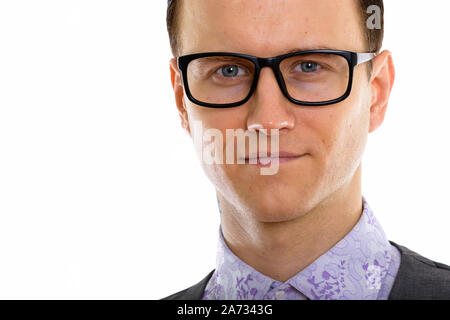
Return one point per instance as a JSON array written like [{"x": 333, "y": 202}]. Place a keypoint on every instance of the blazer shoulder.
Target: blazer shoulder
[
  {"x": 194, "y": 292},
  {"x": 419, "y": 277}
]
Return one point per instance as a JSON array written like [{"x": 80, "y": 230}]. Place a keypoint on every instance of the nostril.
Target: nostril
[
  {"x": 270, "y": 125},
  {"x": 287, "y": 124},
  {"x": 256, "y": 126}
]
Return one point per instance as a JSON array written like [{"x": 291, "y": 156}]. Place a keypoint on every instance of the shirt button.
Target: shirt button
[{"x": 280, "y": 295}]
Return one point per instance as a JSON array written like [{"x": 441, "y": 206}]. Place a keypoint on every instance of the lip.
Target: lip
[{"x": 275, "y": 158}]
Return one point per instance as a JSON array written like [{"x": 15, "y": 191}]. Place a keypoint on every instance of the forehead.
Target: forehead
[{"x": 269, "y": 27}]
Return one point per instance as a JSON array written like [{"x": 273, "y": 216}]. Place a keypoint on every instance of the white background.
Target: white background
[{"x": 101, "y": 194}]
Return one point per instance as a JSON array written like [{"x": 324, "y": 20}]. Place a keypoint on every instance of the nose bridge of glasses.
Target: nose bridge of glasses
[
  {"x": 273, "y": 63},
  {"x": 268, "y": 62}
]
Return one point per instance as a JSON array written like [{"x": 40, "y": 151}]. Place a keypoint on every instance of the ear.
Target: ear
[
  {"x": 175, "y": 78},
  {"x": 381, "y": 81}
]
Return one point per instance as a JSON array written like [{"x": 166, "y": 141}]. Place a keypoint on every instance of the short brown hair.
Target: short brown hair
[{"x": 374, "y": 37}]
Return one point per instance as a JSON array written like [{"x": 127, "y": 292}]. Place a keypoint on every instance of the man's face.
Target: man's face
[{"x": 332, "y": 137}]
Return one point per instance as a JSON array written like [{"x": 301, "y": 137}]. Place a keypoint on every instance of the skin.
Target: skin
[{"x": 279, "y": 224}]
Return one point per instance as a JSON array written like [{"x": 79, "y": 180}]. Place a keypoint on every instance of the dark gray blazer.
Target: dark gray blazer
[{"x": 418, "y": 278}]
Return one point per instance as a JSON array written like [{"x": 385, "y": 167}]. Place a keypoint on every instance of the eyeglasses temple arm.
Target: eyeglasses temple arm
[{"x": 364, "y": 57}]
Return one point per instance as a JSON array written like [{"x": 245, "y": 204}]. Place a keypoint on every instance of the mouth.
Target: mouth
[{"x": 268, "y": 159}]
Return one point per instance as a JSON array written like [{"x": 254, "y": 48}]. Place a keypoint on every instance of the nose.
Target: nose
[{"x": 269, "y": 109}]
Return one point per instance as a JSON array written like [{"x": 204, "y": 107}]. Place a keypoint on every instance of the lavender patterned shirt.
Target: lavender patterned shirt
[{"x": 361, "y": 266}]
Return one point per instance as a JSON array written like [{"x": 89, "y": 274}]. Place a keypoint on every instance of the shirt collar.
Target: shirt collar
[{"x": 354, "y": 268}]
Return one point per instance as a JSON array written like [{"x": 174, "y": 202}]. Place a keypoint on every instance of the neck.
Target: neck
[{"x": 280, "y": 250}]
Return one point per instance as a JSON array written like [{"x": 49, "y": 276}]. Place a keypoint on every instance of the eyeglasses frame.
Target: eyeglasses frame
[{"x": 353, "y": 59}]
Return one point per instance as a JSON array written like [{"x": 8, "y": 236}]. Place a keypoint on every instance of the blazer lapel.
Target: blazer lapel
[{"x": 192, "y": 293}]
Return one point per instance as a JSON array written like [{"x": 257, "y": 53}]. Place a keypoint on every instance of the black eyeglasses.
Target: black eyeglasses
[{"x": 308, "y": 78}]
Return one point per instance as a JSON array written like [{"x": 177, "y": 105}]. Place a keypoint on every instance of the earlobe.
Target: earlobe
[
  {"x": 175, "y": 78},
  {"x": 382, "y": 81}
]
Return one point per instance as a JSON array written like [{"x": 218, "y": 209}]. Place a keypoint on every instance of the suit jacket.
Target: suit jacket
[{"x": 418, "y": 278}]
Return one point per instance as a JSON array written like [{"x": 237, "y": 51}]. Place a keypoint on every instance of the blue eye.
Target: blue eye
[
  {"x": 309, "y": 66},
  {"x": 230, "y": 71}
]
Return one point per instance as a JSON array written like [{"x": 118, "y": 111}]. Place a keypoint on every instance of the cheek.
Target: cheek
[
  {"x": 347, "y": 135},
  {"x": 219, "y": 119},
  {"x": 340, "y": 131},
  {"x": 355, "y": 126},
  {"x": 216, "y": 121},
  {"x": 353, "y": 137}
]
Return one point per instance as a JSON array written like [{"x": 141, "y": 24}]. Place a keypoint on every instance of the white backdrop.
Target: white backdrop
[{"x": 101, "y": 194}]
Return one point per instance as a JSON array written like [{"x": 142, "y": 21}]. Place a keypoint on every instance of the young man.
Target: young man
[{"x": 309, "y": 72}]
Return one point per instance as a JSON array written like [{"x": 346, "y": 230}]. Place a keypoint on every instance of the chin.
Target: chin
[
  {"x": 272, "y": 209},
  {"x": 277, "y": 198}
]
